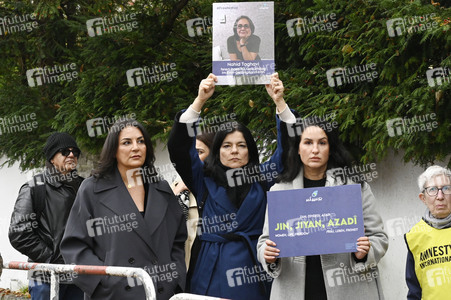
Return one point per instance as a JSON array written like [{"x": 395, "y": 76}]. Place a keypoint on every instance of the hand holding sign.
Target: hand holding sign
[
  {"x": 363, "y": 247},
  {"x": 275, "y": 90},
  {"x": 301, "y": 220},
  {"x": 206, "y": 90},
  {"x": 271, "y": 252}
]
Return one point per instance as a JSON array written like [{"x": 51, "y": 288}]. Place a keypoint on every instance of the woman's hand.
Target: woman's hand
[
  {"x": 206, "y": 90},
  {"x": 271, "y": 252},
  {"x": 363, "y": 247},
  {"x": 275, "y": 91},
  {"x": 243, "y": 40}
]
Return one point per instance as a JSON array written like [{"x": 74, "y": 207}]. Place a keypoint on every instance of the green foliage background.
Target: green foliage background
[{"x": 362, "y": 109}]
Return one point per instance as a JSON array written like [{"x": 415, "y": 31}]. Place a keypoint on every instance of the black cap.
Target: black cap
[{"x": 57, "y": 141}]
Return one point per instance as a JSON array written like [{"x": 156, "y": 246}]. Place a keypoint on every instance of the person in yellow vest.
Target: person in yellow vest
[{"x": 428, "y": 267}]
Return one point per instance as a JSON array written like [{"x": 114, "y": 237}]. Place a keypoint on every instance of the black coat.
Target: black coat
[
  {"x": 106, "y": 228},
  {"x": 40, "y": 239}
]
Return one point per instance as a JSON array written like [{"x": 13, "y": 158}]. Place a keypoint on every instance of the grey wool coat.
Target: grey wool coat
[
  {"x": 343, "y": 276},
  {"x": 105, "y": 228}
]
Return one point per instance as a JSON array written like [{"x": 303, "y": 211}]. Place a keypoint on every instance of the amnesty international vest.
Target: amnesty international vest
[{"x": 431, "y": 250}]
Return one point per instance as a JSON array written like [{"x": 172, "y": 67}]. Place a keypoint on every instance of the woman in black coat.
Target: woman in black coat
[{"x": 126, "y": 215}]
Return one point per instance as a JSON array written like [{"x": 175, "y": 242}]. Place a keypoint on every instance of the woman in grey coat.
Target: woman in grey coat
[{"x": 317, "y": 158}]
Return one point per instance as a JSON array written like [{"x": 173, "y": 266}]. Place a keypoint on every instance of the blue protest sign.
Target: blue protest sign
[{"x": 312, "y": 221}]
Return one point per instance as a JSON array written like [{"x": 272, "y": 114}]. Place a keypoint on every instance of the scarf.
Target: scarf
[
  {"x": 70, "y": 179},
  {"x": 435, "y": 222},
  {"x": 237, "y": 193}
]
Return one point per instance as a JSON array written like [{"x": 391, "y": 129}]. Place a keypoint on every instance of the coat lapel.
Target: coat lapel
[
  {"x": 157, "y": 204},
  {"x": 118, "y": 199},
  {"x": 298, "y": 181}
]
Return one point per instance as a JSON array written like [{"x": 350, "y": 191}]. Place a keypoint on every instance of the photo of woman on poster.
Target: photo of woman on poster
[{"x": 243, "y": 45}]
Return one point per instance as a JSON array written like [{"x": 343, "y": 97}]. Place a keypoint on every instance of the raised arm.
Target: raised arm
[
  {"x": 284, "y": 117},
  {"x": 275, "y": 90},
  {"x": 206, "y": 90},
  {"x": 182, "y": 140}
]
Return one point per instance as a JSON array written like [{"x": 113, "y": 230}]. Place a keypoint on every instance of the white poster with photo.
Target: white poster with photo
[{"x": 243, "y": 42}]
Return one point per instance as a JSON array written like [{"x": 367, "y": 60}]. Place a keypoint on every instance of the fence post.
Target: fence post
[{"x": 54, "y": 285}]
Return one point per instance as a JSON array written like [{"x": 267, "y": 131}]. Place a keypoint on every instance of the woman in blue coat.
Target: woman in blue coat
[{"x": 231, "y": 191}]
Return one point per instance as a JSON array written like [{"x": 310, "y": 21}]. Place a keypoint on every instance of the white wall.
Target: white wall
[
  {"x": 396, "y": 193},
  {"x": 11, "y": 179},
  {"x": 394, "y": 187}
]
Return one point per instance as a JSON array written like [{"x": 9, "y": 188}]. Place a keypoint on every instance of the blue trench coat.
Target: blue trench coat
[{"x": 226, "y": 267}]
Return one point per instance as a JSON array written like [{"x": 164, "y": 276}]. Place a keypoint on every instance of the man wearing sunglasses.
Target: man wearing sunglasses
[
  {"x": 40, "y": 214},
  {"x": 428, "y": 267}
]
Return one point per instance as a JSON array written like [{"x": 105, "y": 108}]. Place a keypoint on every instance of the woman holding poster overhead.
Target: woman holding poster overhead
[
  {"x": 316, "y": 158},
  {"x": 230, "y": 188}
]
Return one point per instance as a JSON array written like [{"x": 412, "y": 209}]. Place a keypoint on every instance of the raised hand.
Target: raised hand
[
  {"x": 275, "y": 91},
  {"x": 206, "y": 90}
]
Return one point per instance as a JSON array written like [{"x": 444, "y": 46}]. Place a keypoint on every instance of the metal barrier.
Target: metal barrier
[
  {"x": 55, "y": 269},
  {"x": 139, "y": 273}
]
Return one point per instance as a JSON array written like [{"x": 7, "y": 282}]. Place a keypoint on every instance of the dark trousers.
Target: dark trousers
[{"x": 41, "y": 291}]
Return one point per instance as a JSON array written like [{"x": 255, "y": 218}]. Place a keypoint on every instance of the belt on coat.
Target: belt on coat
[{"x": 236, "y": 237}]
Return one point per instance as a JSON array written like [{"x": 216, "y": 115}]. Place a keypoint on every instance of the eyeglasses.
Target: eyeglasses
[
  {"x": 239, "y": 26},
  {"x": 433, "y": 190},
  {"x": 66, "y": 151}
]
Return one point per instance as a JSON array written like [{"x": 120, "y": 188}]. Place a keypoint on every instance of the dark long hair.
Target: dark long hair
[
  {"x": 251, "y": 24},
  {"x": 339, "y": 157},
  {"x": 213, "y": 159},
  {"x": 108, "y": 161},
  {"x": 206, "y": 138}
]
